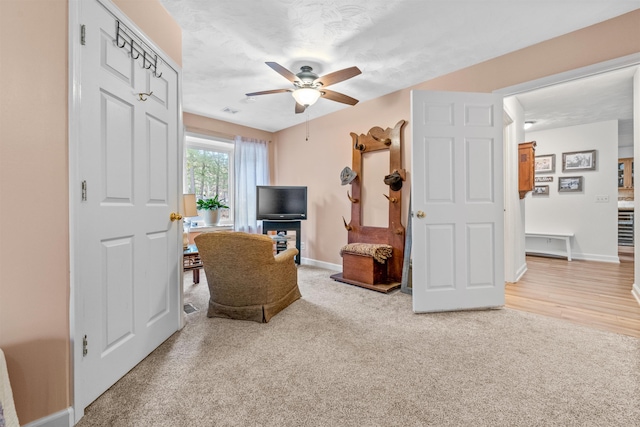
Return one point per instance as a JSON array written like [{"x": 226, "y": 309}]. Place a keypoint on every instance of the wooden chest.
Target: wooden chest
[{"x": 363, "y": 269}]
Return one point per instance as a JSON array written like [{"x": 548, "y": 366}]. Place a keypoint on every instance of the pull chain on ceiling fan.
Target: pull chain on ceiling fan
[{"x": 309, "y": 87}]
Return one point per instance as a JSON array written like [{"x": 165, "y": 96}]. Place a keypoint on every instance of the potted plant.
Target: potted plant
[{"x": 209, "y": 209}]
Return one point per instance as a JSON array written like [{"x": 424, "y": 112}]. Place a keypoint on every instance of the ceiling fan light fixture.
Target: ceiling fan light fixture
[{"x": 306, "y": 96}]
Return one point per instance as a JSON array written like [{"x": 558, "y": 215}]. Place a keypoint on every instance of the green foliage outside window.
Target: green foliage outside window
[{"x": 207, "y": 174}]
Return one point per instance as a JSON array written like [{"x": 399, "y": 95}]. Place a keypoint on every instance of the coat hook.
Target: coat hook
[
  {"x": 351, "y": 198},
  {"x": 399, "y": 231},
  {"x": 144, "y": 96},
  {"x": 359, "y": 147},
  {"x": 391, "y": 199},
  {"x": 348, "y": 227},
  {"x": 155, "y": 68},
  {"x": 133, "y": 48},
  {"x": 144, "y": 60},
  {"x": 119, "y": 36}
]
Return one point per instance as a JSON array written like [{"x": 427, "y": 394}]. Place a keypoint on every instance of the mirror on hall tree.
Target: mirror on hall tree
[{"x": 375, "y": 207}]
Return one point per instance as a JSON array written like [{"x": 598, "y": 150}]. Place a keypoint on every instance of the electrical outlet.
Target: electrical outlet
[
  {"x": 302, "y": 245},
  {"x": 602, "y": 199}
]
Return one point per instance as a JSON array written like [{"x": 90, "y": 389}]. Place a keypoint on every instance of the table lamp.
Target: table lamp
[{"x": 190, "y": 210}]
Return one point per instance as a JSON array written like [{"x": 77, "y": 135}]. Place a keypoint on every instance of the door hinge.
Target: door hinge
[
  {"x": 83, "y": 34},
  {"x": 84, "y": 191},
  {"x": 84, "y": 346}
]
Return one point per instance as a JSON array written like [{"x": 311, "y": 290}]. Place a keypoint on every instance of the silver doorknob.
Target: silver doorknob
[{"x": 420, "y": 214}]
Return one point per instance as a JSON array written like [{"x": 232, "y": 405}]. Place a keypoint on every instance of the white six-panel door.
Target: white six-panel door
[
  {"x": 457, "y": 250},
  {"x": 127, "y": 249}
]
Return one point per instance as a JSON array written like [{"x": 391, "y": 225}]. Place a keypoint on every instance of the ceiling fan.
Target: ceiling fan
[{"x": 309, "y": 87}]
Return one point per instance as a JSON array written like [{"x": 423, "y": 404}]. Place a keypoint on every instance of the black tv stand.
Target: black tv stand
[{"x": 284, "y": 225}]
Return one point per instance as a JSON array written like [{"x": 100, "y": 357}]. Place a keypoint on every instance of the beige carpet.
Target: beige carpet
[{"x": 346, "y": 356}]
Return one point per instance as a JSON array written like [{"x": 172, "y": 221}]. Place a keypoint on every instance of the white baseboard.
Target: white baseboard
[
  {"x": 635, "y": 291},
  {"x": 574, "y": 256},
  {"x": 62, "y": 418},
  {"x": 321, "y": 264},
  {"x": 600, "y": 258},
  {"x": 523, "y": 269}
]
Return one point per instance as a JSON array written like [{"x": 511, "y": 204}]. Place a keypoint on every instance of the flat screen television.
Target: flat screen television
[{"x": 280, "y": 203}]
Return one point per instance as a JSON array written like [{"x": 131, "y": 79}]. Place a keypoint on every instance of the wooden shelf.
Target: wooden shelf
[{"x": 625, "y": 173}]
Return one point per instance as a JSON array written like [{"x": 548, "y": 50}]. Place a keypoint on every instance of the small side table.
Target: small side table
[{"x": 191, "y": 261}]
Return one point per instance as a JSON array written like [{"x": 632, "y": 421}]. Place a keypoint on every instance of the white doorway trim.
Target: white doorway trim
[
  {"x": 512, "y": 241},
  {"x": 578, "y": 73},
  {"x": 510, "y": 187},
  {"x": 635, "y": 291}
]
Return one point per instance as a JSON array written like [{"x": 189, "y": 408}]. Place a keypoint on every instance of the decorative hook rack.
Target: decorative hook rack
[
  {"x": 124, "y": 38},
  {"x": 391, "y": 199},
  {"x": 359, "y": 146},
  {"x": 346, "y": 226}
]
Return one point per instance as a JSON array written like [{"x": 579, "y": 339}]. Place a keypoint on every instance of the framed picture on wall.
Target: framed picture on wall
[
  {"x": 546, "y": 163},
  {"x": 543, "y": 179},
  {"x": 541, "y": 190},
  {"x": 579, "y": 160},
  {"x": 567, "y": 184}
]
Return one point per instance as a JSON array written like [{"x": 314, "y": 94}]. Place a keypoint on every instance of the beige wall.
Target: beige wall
[
  {"x": 34, "y": 246},
  {"x": 318, "y": 163},
  {"x": 34, "y": 260}
]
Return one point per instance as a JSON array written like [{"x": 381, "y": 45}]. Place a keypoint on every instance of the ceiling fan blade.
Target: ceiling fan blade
[
  {"x": 283, "y": 71},
  {"x": 268, "y": 92},
  {"x": 338, "y": 76},
  {"x": 300, "y": 108},
  {"x": 338, "y": 97}
]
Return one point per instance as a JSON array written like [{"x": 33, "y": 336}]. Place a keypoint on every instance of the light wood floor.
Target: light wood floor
[{"x": 594, "y": 294}]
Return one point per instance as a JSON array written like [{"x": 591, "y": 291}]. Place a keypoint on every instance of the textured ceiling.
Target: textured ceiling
[
  {"x": 396, "y": 44},
  {"x": 607, "y": 96}
]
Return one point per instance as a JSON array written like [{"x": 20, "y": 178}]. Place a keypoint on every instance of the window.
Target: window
[{"x": 208, "y": 171}]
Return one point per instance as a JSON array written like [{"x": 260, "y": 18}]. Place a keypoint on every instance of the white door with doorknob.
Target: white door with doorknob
[
  {"x": 457, "y": 198},
  {"x": 127, "y": 267}
]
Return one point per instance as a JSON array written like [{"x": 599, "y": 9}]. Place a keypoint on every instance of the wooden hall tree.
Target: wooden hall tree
[{"x": 383, "y": 277}]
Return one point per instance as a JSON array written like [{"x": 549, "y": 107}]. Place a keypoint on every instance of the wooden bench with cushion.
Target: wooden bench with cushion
[{"x": 365, "y": 262}]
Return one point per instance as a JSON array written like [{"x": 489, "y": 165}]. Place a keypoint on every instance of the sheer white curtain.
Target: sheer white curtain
[{"x": 251, "y": 169}]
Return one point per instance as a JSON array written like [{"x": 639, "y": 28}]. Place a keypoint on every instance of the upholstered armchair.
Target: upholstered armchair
[{"x": 246, "y": 281}]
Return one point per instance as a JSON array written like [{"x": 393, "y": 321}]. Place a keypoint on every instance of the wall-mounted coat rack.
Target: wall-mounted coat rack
[{"x": 137, "y": 48}]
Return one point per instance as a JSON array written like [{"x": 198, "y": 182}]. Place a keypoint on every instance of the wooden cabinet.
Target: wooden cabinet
[
  {"x": 526, "y": 167},
  {"x": 625, "y": 173}
]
